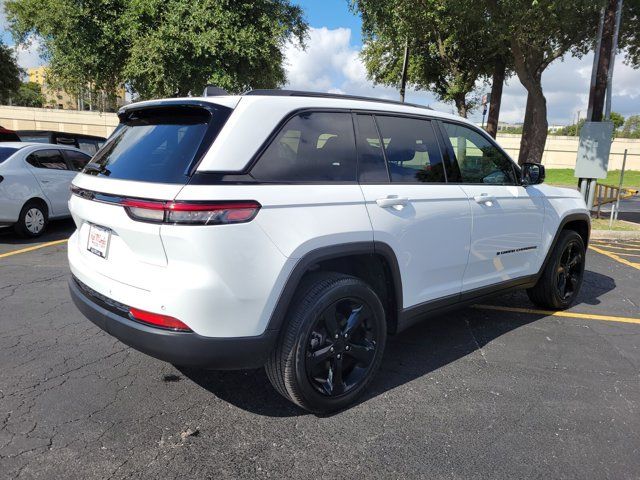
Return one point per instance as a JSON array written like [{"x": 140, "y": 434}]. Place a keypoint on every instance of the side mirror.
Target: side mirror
[{"x": 532, "y": 174}]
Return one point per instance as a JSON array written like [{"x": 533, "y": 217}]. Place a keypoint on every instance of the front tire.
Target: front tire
[
  {"x": 33, "y": 219},
  {"x": 560, "y": 282},
  {"x": 331, "y": 345}
]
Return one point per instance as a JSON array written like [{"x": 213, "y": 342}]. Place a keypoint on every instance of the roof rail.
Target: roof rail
[{"x": 299, "y": 93}]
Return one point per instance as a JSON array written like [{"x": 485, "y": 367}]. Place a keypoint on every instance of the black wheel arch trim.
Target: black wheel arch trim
[
  {"x": 572, "y": 217},
  {"x": 328, "y": 253}
]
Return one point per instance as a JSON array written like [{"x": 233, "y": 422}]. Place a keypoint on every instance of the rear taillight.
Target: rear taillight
[
  {"x": 158, "y": 320},
  {"x": 191, "y": 213},
  {"x": 178, "y": 213}
]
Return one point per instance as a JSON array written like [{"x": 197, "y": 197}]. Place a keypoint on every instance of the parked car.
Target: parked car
[
  {"x": 297, "y": 230},
  {"x": 87, "y": 143},
  {"x": 8, "y": 135},
  {"x": 34, "y": 184}
]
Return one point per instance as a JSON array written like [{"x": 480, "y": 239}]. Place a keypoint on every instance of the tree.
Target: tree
[
  {"x": 540, "y": 32},
  {"x": 9, "y": 73},
  {"x": 631, "y": 127},
  {"x": 450, "y": 43},
  {"x": 160, "y": 48},
  {"x": 630, "y": 31},
  {"x": 617, "y": 119},
  {"x": 29, "y": 95}
]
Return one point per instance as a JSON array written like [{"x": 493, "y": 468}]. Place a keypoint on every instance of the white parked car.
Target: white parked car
[
  {"x": 34, "y": 184},
  {"x": 297, "y": 230}
]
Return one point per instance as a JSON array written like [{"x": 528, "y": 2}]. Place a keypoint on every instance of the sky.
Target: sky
[{"x": 331, "y": 63}]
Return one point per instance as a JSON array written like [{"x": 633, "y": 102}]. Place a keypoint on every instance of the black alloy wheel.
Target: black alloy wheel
[
  {"x": 341, "y": 347},
  {"x": 561, "y": 279},
  {"x": 570, "y": 270},
  {"x": 332, "y": 343}
]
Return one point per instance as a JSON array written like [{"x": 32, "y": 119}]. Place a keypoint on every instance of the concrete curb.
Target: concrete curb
[{"x": 614, "y": 235}]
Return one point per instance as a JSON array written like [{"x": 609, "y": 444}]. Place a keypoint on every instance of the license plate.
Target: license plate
[{"x": 98, "y": 242}]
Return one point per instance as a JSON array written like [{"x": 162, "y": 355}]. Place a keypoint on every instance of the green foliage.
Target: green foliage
[
  {"x": 631, "y": 128},
  {"x": 511, "y": 130},
  {"x": 9, "y": 73},
  {"x": 617, "y": 119},
  {"x": 160, "y": 48},
  {"x": 574, "y": 130},
  {"x": 29, "y": 95},
  {"x": 565, "y": 177},
  {"x": 452, "y": 44},
  {"x": 630, "y": 31}
]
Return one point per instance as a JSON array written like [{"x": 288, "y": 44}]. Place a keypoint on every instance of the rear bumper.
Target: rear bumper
[{"x": 178, "y": 348}]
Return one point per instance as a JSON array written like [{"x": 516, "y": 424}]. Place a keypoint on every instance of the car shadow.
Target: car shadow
[
  {"x": 56, "y": 230},
  {"x": 416, "y": 352}
]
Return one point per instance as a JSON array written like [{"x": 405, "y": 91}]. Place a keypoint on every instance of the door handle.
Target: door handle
[
  {"x": 393, "y": 202},
  {"x": 484, "y": 198},
  {"x": 44, "y": 181}
]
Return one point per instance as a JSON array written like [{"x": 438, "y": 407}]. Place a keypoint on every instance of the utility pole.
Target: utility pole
[
  {"x": 405, "y": 67},
  {"x": 601, "y": 79}
]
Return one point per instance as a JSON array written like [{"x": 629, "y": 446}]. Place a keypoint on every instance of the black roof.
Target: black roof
[{"x": 299, "y": 93}]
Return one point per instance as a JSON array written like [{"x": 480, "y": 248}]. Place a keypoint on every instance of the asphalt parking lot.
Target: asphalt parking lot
[{"x": 493, "y": 391}]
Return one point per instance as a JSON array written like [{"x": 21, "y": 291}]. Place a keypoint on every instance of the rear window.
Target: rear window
[
  {"x": 158, "y": 144},
  {"x": 6, "y": 152},
  {"x": 34, "y": 138}
]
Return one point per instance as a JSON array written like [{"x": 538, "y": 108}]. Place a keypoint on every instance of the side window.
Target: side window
[
  {"x": 371, "y": 166},
  {"x": 413, "y": 154},
  {"x": 50, "y": 159},
  {"x": 89, "y": 147},
  {"x": 317, "y": 146},
  {"x": 76, "y": 159},
  {"x": 479, "y": 160}
]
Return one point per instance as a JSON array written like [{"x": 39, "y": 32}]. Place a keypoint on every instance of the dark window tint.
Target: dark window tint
[
  {"x": 315, "y": 146},
  {"x": 412, "y": 151},
  {"x": 371, "y": 166},
  {"x": 35, "y": 138},
  {"x": 51, "y": 159},
  {"x": 158, "y": 144},
  {"x": 76, "y": 159},
  {"x": 479, "y": 160},
  {"x": 6, "y": 152}
]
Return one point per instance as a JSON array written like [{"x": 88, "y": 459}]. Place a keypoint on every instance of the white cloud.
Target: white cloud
[
  {"x": 331, "y": 64},
  {"x": 28, "y": 55}
]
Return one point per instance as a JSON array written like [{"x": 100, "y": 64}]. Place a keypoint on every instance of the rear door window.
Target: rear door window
[
  {"x": 159, "y": 144},
  {"x": 49, "y": 159},
  {"x": 77, "y": 160},
  {"x": 411, "y": 148},
  {"x": 311, "y": 147}
]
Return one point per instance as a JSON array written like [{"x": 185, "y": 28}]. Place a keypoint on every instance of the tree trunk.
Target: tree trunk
[
  {"x": 496, "y": 95},
  {"x": 534, "y": 130},
  {"x": 461, "y": 105},
  {"x": 598, "y": 93}
]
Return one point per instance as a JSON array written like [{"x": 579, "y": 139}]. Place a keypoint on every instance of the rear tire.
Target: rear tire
[
  {"x": 560, "y": 282},
  {"x": 33, "y": 219},
  {"x": 331, "y": 345}
]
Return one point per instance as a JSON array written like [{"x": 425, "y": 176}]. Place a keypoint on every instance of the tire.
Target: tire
[
  {"x": 33, "y": 219},
  {"x": 336, "y": 323},
  {"x": 560, "y": 282}
]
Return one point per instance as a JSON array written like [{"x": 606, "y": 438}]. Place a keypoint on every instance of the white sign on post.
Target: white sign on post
[{"x": 594, "y": 149}]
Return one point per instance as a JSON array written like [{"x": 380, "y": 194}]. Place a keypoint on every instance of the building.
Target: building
[{"x": 59, "y": 99}]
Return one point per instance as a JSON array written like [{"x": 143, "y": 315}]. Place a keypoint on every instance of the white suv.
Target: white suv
[{"x": 297, "y": 230}]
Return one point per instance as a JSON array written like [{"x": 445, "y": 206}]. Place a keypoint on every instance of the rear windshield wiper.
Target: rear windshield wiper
[{"x": 96, "y": 168}]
